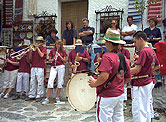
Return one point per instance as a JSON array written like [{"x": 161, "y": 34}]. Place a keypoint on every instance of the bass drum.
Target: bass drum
[{"x": 80, "y": 95}]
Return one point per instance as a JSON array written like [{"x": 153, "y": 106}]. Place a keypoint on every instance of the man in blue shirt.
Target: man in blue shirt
[
  {"x": 86, "y": 33},
  {"x": 51, "y": 39}
]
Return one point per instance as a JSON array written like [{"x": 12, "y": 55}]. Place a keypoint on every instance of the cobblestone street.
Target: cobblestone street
[{"x": 31, "y": 111}]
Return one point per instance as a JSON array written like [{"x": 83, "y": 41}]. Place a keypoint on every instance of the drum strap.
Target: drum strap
[{"x": 122, "y": 66}]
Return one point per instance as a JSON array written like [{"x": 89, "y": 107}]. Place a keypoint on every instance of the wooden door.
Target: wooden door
[{"x": 74, "y": 11}]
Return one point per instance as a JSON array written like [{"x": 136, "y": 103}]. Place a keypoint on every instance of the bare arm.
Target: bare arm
[
  {"x": 85, "y": 33},
  {"x": 100, "y": 80},
  {"x": 127, "y": 80},
  {"x": 128, "y": 33},
  {"x": 135, "y": 69},
  {"x": 12, "y": 62},
  {"x": 40, "y": 53}
]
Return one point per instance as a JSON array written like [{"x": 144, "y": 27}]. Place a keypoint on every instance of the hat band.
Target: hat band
[{"x": 110, "y": 38}]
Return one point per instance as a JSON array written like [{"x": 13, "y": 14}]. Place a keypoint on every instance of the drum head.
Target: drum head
[{"x": 80, "y": 95}]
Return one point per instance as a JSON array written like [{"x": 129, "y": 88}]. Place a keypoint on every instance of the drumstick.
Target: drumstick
[{"x": 92, "y": 77}]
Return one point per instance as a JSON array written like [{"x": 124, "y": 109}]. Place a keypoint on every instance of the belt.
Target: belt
[{"x": 138, "y": 77}]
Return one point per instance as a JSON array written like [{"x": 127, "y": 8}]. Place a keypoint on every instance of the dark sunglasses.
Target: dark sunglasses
[{"x": 113, "y": 23}]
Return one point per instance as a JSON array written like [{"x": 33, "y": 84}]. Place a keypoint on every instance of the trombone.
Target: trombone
[{"x": 23, "y": 51}]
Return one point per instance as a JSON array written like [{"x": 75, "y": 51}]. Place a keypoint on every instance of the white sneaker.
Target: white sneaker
[
  {"x": 58, "y": 101},
  {"x": 6, "y": 96},
  {"x": 45, "y": 101}
]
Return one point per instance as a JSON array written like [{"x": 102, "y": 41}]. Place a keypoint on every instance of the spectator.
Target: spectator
[
  {"x": 51, "y": 38},
  {"x": 69, "y": 34}
]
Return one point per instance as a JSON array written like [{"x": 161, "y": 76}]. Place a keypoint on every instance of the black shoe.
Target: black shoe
[
  {"x": 38, "y": 99},
  {"x": 23, "y": 96},
  {"x": 28, "y": 99},
  {"x": 17, "y": 96}
]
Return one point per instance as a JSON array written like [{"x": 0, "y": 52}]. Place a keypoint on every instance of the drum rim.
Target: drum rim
[{"x": 67, "y": 94}]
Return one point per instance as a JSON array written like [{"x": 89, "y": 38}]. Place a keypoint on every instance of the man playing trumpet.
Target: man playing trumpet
[
  {"x": 37, "y": 56},
  {"x": 78, "y": 59}
]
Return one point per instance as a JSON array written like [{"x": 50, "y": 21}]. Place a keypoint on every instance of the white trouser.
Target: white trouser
[
  {"x": 36, "y": 73},
  {"x": 10, "y": 78},
  {"x": 151, "y": 104},
  {"x": 53, "y": 72},
  {"x": 22, "y": 78},
  {"x": 125, "y": 92},
  {"x": 110, "y": 109},
  {"x": 141, "y": 103}
]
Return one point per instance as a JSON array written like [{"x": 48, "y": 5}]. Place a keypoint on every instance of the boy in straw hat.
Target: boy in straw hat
[
  {"x": 82, "y": 57},
  {"x": 37, "y": 71},
  {"x": 110, "y": 100},
  {"x": 143, "y": 77}
]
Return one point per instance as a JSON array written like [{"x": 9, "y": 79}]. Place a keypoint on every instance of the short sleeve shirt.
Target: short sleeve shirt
[
  {"x": 59, "y": 60},
  {"x": 11, "y": 67},
  {"x": 126, "y": 53},
  {"x": 128, "y": 28},
  {"x": 110, "y": 64},
  {"x": 89, "y": 38},
  {"x": 68, "y": 35},
  {"x": 51, "y": 40},
  {"x": 37, "y": 61},
  {"x": 147, "y": 59},
  {"x": 155, "y": 33},
  {"x": 83, "y": 65},
  {"x": 24, "y": 66}
]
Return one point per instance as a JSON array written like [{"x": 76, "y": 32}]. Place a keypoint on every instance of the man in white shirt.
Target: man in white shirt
[{"x": 129, "y": 30}]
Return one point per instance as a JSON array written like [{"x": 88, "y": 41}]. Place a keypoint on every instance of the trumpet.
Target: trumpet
[{"x": 34, "y": 47}]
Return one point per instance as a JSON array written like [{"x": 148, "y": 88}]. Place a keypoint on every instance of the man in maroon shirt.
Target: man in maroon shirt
[
  {"x": 82, "y": 58},
  {"x": 143, "y": 73},
  {"x": 110, "y": 101},
  {"x": 37, "y": 71}
]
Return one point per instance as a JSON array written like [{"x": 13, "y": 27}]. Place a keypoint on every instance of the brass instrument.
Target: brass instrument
[
  {"x": 97, "y": 63},
  {"x": 76, "y": 63},
  {"x": 33, "y": 46}
]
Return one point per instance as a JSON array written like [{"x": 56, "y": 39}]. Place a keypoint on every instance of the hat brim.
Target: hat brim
[
  {"x": 78, "y": 44},
  {"x": 118, "y": 42}
]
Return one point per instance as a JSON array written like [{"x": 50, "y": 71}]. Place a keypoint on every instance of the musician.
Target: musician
[
  {"x": 37, "y": 57},
  {"x": 10, "y": 74},
  {"x": 99, "y": 54},
  {"x": 58, "y": 58},
  {"x": 23, "y": 74},
  {"x": 82, "y": 58},
  {"x": 110, "y": 100},
  {"x": 142, "y": 78}
]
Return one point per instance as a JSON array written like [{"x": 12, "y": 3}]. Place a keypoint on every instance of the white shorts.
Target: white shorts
[
  {"x": 53, "y": 72},
  {"x": 10, "y": 78}
]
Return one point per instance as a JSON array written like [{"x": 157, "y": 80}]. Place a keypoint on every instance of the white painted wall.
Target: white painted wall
[{"x": 54, "y": 6}]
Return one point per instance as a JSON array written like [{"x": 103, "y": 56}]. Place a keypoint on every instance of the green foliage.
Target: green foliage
[{"x": 141, "y": 5}]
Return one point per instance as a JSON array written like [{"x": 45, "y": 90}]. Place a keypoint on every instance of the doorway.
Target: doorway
[{"x": 74, "y": 11}]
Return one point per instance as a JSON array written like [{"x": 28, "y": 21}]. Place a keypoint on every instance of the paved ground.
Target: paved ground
[{"x": 31, "y": 111}]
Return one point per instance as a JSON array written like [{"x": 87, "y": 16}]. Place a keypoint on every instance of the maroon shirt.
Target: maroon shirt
[
  {"x": 110, "y": 64},
  {"x": 83, "y": 65},
  {"x": 11, "y": 67},
  {"x": 24, "y": 66},
  {"x": 59, "y": 60},
  {"x": 126, "y": 53},
  {"x": 147, "y": 59},
  {"x": 38, "y": 61}
]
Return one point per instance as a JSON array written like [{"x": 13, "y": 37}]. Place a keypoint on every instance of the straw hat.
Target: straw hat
[
  {"x": 113, "y": 36},
  {"x": 78, "y": 42},
  {"x": 101, "y": 41},
  {"x": 40, "y": 38}
]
